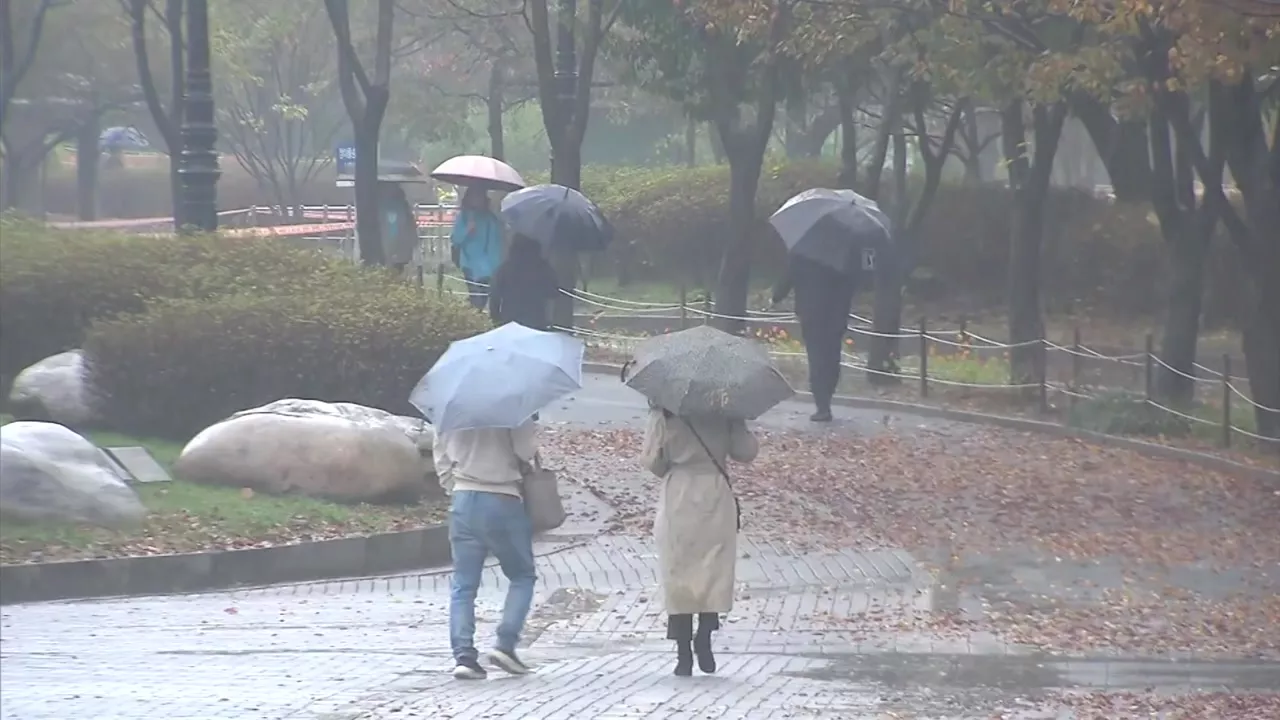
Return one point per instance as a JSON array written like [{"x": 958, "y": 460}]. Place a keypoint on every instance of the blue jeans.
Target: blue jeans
[
  {"x": 477, "y": 295},
  {"x": 481, "y": 524}
]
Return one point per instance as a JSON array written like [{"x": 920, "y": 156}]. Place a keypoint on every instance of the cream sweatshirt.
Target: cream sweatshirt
[{"x": 485, "y": 459}]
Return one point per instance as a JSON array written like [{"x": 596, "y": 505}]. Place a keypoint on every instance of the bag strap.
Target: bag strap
[{"x": 707, "y": 450}]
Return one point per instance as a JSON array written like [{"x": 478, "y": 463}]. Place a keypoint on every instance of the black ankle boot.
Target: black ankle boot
[
  {"x": 706, "y": 658},
  {"x": 684, "y": 658}
]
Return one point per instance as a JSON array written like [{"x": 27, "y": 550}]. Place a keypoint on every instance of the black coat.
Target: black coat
[
  {"x": 823, "y": 295},
  {"x": 522, "y": 291}
]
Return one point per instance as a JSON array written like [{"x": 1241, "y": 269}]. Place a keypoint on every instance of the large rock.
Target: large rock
[
  {"x": 56, "y": 389},
  {"x": 49, "y": 472},
  {"x": 416, "y": 429},
  {"x": 337, "y": 451}
]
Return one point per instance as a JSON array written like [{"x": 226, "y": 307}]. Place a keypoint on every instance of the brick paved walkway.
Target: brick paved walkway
[{"x": 377, "y": 648}]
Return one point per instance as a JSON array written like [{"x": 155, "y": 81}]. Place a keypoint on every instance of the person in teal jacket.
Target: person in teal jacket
[{"x": 476, "y": 244}]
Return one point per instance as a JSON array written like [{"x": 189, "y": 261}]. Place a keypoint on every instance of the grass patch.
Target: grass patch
[{"x": 186, "y": 517}]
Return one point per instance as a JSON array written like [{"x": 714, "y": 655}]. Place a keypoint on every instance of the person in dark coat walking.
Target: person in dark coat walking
[
  {"x": 823, "y": 298},
  {"x": 524, "y": 286}
]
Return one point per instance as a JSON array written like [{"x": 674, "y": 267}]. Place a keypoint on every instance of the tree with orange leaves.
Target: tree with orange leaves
[{"x": 720, "y": 59}]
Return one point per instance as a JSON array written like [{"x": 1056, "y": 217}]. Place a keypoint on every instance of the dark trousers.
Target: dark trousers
[
  {"x": 823, "y": 335},
  {"x": 680, "y": 627},
  {"x": 478, "y": 291}
]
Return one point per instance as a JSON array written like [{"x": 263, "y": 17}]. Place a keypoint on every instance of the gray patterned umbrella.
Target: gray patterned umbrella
[{"x": 703, "y": 371}]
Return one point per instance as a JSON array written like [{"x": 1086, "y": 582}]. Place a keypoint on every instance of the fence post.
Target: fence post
[
  {"x": 706, "y": 308},
  {"x": 1226, "y": 400},
  {"x": 351, "y": 235},
  {"x": 1044, "y": 374},
  {"x": 1076, "y": 360},
  {"x": 963, "y": 333},
  {"x": 1147, "y": 369},
  {"x": 924, "y": 357},
  {"x": 684, "y": 304},
  {"x": 440, "y": 279},
  {"x": 421, "y": 272}
]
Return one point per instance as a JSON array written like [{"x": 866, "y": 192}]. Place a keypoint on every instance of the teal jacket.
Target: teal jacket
[{"x": 480, "y": 250}]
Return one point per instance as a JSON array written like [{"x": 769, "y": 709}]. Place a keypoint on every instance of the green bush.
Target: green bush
[
  {"x": 55, "y": 283},
  {"x": 1122, "y": 413},
  {"x": 186, "y": 364},
  {"x": 671, "y": 223}
]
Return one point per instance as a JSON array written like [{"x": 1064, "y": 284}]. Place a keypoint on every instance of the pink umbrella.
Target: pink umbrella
[{"x": 479, "y": 171}]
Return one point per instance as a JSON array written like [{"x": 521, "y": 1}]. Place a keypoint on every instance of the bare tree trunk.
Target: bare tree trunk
[
  {"x": 366, "y": 103},
  {"x": 848, "y": 135},
  {"x": 1122, "y": 146},
  {"x": 495, "y": 103},
  {"x": 734, "y": 282},
  {"x": 717, "y": 147},
  {"x": 87, "y": 164},
  {"x": 1026, "y": 322},
  {"x": 691, "y": 142}
]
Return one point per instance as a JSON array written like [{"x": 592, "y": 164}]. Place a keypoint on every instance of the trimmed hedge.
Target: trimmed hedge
[
  {"x": 671, "y": 223},
  {"x": 186, "y": 364},
  {"x": 55, "y": 283}
]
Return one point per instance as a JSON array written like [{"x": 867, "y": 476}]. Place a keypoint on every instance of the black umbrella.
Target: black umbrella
[
  {"x": 832, "y": 226},
  {"x": 555, "y": 214}
]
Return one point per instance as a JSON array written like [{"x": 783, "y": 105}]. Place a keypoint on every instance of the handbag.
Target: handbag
[
  {"x": 737, "y": 504},
  {"x": 541, "y": 492}
]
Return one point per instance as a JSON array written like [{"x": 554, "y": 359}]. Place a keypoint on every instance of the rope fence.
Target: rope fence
[
  {"x": 1074, "y": 389},
  {"x": 336, "y": 224}
]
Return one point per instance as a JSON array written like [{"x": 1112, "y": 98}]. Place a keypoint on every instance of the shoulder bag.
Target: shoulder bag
[
  {"x": 737, "y": 504},
  {"x": 541, "y": 492}
]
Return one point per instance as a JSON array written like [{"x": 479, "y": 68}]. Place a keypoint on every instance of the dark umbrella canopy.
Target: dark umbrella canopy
[
  {"x": 555, "y": 215},
  {"x": 832, "y": 227}
]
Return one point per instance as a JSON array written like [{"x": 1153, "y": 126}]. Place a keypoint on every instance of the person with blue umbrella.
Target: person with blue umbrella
[{"x": 482, "y": 398}]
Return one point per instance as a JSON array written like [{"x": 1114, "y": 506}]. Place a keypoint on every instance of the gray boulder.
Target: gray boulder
[
  {"x": 49, "y": 472},
  {"x": 55, "y": 389},
  {"x": 337, "y": 451}
]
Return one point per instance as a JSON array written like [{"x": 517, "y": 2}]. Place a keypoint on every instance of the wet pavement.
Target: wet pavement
[{"x": 815, "y": 633}]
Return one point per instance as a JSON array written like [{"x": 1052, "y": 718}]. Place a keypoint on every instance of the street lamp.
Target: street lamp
[
  {"x": 198, "y": 170},
  {"x": 566, "y": 71}
]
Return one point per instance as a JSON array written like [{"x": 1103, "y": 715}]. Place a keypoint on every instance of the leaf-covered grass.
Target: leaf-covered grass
[{"x": 186, "y": 517}]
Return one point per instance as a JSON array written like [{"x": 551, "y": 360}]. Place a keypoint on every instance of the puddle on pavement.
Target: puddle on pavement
[
  {"x": 562, "y": 604},
  {"x": 1023, "y": 673}
]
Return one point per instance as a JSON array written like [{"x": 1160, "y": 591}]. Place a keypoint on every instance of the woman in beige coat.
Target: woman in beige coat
[{"x": 697, "y": 524}]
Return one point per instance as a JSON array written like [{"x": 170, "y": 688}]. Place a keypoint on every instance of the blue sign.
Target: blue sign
[{"x": 346, "y": 159}]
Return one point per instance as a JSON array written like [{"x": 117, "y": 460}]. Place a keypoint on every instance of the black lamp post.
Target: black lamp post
[
  {"x": 199, "y": 167},
  {"x": 566, "y": 69}
]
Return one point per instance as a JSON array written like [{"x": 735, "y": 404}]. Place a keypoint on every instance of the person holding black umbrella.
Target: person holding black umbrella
[
  {"x": 524, "y": 286},
  {"x": 827, "y": 234},
  {"x": 823, "y": 298}
]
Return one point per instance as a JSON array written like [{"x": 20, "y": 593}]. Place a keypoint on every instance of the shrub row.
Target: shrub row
[
  {"x": 185, "y": 364},
  {"x": 183, "y": 331},
  {"x": 54, "y": 284},
  {"x": 672, "y": 222}
]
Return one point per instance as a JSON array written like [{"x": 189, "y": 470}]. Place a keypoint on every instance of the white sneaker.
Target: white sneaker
[
  {"x": 508, "y": 661},
  {"x": 469, "y": 670}
]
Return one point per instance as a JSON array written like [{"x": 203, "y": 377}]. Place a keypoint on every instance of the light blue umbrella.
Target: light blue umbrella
[
  {"x": 498, "y": 379},
  {"x": 123, "y": 138}
]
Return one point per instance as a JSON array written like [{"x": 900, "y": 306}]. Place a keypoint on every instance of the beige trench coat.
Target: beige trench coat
[{"x": 696, "y": 527}]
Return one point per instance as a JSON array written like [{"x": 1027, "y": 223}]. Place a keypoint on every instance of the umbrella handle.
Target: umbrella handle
[{"x": 626, "y": 367}]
